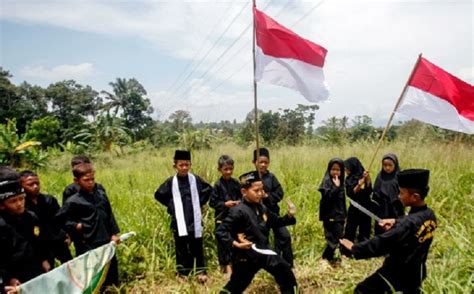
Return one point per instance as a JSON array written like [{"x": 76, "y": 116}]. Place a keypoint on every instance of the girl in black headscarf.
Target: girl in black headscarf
[
  {"x": 332, "y": 208},
  {"x": 358, "y": 188},
  {"x": 386, "y": 190}
]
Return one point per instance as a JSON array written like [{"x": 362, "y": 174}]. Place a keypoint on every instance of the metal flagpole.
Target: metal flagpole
[{"x": 255, "y": 84}]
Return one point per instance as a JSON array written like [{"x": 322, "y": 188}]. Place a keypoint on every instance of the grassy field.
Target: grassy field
[{"x": 147, "y": 262}]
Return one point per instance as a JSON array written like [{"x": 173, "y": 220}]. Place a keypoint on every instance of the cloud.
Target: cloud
[{"x": 60, "y": 72}]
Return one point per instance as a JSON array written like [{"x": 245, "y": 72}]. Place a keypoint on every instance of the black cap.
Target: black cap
[
  {"x": 414, "y": 179},
  {"x": 247, "y": 179},
  {"x": 182, "y": 155},
  {"x": 10, "y": 188},
  {"x": 262, "y": 152}
]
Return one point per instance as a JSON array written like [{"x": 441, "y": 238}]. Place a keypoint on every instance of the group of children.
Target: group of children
[{"x": 35, "y": 231}]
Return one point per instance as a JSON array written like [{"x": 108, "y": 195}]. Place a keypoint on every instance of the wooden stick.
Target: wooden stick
[{"x": 255, "y": 84}]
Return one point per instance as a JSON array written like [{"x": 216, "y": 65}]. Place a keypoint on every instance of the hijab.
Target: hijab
[
  {"x": 327, "y": 183},
  {"x": 356, "y": 168},
  {"x": 387, "y": 183}
]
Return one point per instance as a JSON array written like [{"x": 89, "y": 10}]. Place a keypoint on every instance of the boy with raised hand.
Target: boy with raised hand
[
  {"x": 45, "y": 207},
  {"x": 73, "y": 188},
  {"x": 24, "y": 255},
  {"x": 246, "y": 231},
  {"x": 88, "y": 218},
  {"x": 183, "y": 195},
  {"x": 273, "y": 195},
  {"x": 226, "y": 194},
  {"x": 406, "y": 241}
]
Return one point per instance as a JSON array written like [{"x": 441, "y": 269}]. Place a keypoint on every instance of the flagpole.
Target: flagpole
[
  {"x": 393, "y": 112},
  {"x": 255, "y": 83}
]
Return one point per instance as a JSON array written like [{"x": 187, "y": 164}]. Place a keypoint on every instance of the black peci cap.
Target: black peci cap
[
  {"x": 247, "y": 179},
  {"x": 10, "y": 188},
  {"x": 182, "y": 155},
  {"x": 414, "y": 179}
]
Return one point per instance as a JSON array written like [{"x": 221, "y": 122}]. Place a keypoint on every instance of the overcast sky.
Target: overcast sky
[{"x": 181, "y": 50}]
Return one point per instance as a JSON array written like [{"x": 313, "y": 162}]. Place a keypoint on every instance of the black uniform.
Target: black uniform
[
  {"x": 45, "y": 209},
  {"x": 355, "y": 218},
  {"x": 25, "y": 246},
  {"x": 224, "y": 190},
  {"x": 275, "y": 194},
  {"x": 189, "y": 249},
  {"x": 73, "y": 188},
  {"x": 407, "y": 245},
  {"x": 332, "y": 209},
  {"x": 8, "y": 241},
  {"x": 255, "y": 221},
  {"x": 95, "y": 214},
  {"x": 386, "y": 192}
]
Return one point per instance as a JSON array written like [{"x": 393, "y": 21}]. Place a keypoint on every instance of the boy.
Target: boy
[
  {"x": 273, "y": 195},
  {"x": 23, "y": 252},
  {"x": 406, "y": 241},
  {"x": 88, "y": 218},
  {"x": 184, "y": 194},
  {"x": 73, "y": 188},
  {"x": 247, "y": 227},
  {"x": 45, "y": 207},
  {"x": 226, "y": 194}
]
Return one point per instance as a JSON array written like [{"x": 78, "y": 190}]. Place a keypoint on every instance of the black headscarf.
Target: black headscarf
[
  {"x": 387, "y": 183},
  {"x": 327, "y": 182},
  {"x": 356, "y": 168}
]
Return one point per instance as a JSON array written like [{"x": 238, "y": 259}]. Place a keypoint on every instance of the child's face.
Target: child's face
[
  {"x": 31, "y": 185},
  {"x": 388, "y": 166},
  {"x": 14, "y": 205},
  {"x": 254, "y": 193},
  {"x": 262, "y": 164},
  {"x": 335, "y": 170},
  {"x": 226, "y": 171},
  {"x": 182, "y": 167},
  {"x": 408, "y": 198},
  {"x": 86, "y": 182}
]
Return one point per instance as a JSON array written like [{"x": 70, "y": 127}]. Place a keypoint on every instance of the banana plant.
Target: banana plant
[{"x": 16, "y": 150}]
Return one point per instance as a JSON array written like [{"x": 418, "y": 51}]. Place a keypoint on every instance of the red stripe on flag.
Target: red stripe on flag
[
  {"x": 277, "y": 41},
  {"x": 438, "y": 82}
]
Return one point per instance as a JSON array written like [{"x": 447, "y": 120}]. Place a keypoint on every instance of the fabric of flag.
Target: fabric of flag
[
  {"x": 84, "y": 274},
  {"x": 437, "y": 97},
  {"x": 283, "y": 58}
]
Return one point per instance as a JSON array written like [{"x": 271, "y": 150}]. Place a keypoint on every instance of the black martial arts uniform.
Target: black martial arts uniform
[
  {"x": 95, "y": 214},
  {"x": 189, "y": 249},
  {"x": 255, "y": 221},
  {"x": 45, "y": 209},
  {"x": 224, "y": 190},
  {"x": 407, "y": 244},
  {"x": 73, "y": 188},
  {"x": 332, "y": 209},
  {"x": 355, "y": 218},
  {"x": 387, "y": 203},
  {"x": 274, "y": 191}
]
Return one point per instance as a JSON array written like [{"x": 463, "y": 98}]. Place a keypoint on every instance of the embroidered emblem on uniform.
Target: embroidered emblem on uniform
[
  {"x": 36, "y": 231},
  {"x": 425, "y": 232}
]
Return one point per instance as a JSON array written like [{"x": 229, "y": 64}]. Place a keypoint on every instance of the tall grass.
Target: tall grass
[{"x": 147, "y": 262}]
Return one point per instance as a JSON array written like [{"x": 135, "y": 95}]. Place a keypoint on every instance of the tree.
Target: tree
[
  {"x": 180, "y": 120},
  {"x": 268, "y": 126},
  {"x": 332, "y": 130},
  {"x": 362, "y": 129},
  {"x": 46, "y": 130}
]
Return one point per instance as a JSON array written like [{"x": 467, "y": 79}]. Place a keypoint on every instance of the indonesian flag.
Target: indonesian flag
[
  {"x": 436, "y": 97},
  {"x": 283, "y": 58}
]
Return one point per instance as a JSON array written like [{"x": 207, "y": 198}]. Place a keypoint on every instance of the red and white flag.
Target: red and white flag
[
  {"x": 437, "y": 97},
  {"x": 283, "y": 58}
]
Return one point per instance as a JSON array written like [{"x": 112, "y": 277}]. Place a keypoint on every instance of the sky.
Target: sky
[{"x": 196, "y": 55}]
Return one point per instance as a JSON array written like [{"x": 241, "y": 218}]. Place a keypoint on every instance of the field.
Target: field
[{"x": 147, "y": 262}]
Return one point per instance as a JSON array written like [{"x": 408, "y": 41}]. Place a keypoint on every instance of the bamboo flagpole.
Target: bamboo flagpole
[
  {"x": 393, "y": 112},
  {"x": 255, "y": 83}
]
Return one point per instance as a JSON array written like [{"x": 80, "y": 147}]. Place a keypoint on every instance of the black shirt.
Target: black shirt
[
  {"x": 45, "y": 209},
  {"x": 224, "y": 190},
  {"x": 73, "y": 188},
  {"x": 274, "y": 192}
]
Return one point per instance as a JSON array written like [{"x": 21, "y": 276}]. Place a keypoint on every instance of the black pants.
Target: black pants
[
  {"x": 333, "y": 231},
  {"x": 378, "y": 284},
  {"x": 61, "y": 251},
  {"x": 283, "y": 244},
  {"x": 244, "y": 271},
  {"x": 357, "y": 220},
  {"x": 224, "y": 253},
  {"x": 189, "y": 254},
  {"x": 112, "y": 278}
]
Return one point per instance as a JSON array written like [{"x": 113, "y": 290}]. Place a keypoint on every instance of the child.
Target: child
[
  {"x": 332, "y": 208},
  {"x": 88, "y": 218},
  {"x": 406, "y": 241},
  {"x": 184, "y": 194},
  {"x": 358, "y": 188},
  {"x": 45, "y": 207},
  {"x": 24, "y": 254},
  {"x": 73, "y": 188},
  {"x": 247, "y": 227},
  {"x": 274, "y": 194},
  {"x": 386, "y": 190},
  {"x": 226, "y": 194}
]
